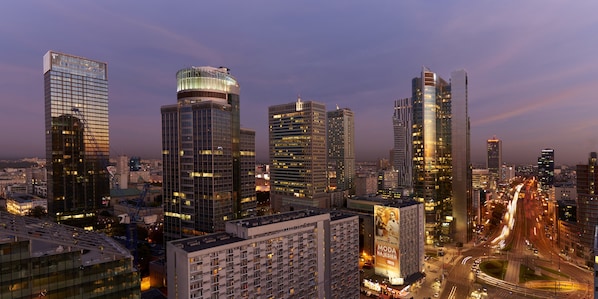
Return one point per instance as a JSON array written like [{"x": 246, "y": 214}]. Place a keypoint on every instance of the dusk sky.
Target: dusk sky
[{"x": 532, "y": 65}]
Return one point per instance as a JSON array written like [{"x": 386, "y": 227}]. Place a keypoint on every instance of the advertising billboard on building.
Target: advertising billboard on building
[{"x": 386, "y": 241}]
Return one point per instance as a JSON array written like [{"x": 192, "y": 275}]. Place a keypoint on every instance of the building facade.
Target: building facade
[
  {"x": 205, "y": 155},
  {"x": 546, "y": 169},
  {"x": 399, "y": 240},
  {"x": 403, "y": 142},
  {"x": 587, "y": 205},
  {"x": 297, "y": 148},
  {"x": 441, "y": 155},
  {"x": 44, "y": 259},
  {"x": 77, "y": 137},
  {"x": 299, "y": 254},
  {"x": 341, "y": 147},
  {"x": 494, "y": 155}
]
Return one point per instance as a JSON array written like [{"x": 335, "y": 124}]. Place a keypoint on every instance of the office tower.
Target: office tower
[
  {"x": 462, "y": 214},
  {"x": 341, "y": 147},
  {"x": 546, "y": 169},
  {"x": 403, "y": 142},
  {"x": 298, "y": 254},
  {"x": 494, "y": 156},
  {"x": 77, "y": 144},
  {"x": 297, "y": 137},
  {"x": 205, "y": 153},
  {"x": 441, "y": 170},
  {"x": 42, "y": 259},
  {"x": 587, "y": 206},
  {"x": 399, "y": 240}
]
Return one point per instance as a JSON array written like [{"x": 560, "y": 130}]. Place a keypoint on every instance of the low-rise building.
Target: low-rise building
[{"x": 22, "y": 204}]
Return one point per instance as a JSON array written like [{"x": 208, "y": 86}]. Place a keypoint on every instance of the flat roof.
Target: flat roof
[
  {"x": 287, "y": 216},
  {"x": 204, "y": 242}
]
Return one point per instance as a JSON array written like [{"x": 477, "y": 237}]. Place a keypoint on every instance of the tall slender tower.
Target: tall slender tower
[
  {"x": 546, "y": 168},
  {"x": 341, "y": 147},
  {"x": 206, "y": 180},
  {"x": 297, "y": 137},
  {"x": 441, "y": 170},
  {"x": 403, "y": 142},
  {"x": 494, "y": 156},
  {"x": 461, "y": 162},
  {"x": 77, "y": 143}
]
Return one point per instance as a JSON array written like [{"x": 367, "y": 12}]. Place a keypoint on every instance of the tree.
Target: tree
[{"x": 38, "y": 212}]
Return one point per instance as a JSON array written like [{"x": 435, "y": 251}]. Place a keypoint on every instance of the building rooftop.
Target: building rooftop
[
  {"x": 203, "y": 242},
  {"x": 293, "y": 215},
  {"x": 48, "y": 237},
  {"x": 23, "y": 198}
]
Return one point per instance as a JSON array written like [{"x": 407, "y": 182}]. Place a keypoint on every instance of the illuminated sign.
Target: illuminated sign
[{"x": 386, "y": 242}]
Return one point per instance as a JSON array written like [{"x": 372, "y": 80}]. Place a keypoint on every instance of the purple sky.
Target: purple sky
[{"x": 532, "y": 65}]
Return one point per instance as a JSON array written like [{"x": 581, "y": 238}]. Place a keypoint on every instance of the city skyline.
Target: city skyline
[{"x": 531, "y": 71}]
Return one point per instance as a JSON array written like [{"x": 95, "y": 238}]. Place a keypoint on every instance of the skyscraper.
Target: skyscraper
[
  {"x": 297, "y": 138},
  {"x": 494, "y": 156},
  {"x": 77, "y": 143},
  {"x": 587, "y": 205},
  {"x": 206, "y": 178},
  {"x": 546, "y": 168},
  {"x": 403, "y": 142},
  {"x": 341, "y": 147},
  {"x": 462, "y": 190},
  {"x": 441, "y": 156}
]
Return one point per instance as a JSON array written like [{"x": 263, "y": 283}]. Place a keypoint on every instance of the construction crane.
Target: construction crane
[{"x": 131, "y": 220}]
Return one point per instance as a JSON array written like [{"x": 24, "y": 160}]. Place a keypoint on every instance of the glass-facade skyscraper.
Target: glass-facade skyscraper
[
  {"x": 208, "y": 160},
  {"x": 297, "y": 147},
  {"x": 441, "y": 156},
  {"x": 77, "y": 137},
  {"x": 341, "y": 147}
]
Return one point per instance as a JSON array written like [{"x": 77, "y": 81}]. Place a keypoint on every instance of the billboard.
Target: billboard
[{"x": 386, "y": 241}]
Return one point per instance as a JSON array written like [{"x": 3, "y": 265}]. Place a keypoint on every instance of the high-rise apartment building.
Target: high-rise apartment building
[
  {"x": 42, "y": 259},
  {"x": 587, "y": 205},
  {"x": 441, "y": 155},
  {"x": 341, "y": 147},
  {"x": 402, "y": 120},
  {"x": 494, "y": 156},
  {"x": 546, "y": 168},
  {"x": 77, "y": 143},
  {"x": 207, "y": 178},
  {"x": 297, "y": 138},
  {"x": 298, "y": 254}
]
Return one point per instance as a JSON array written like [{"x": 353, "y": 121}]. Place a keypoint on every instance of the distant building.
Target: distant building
[
  {"x": 135, "y": 164},
  {"x": 22, "y": 204},
  {"x": 299, "y": 254},
  {"x": 546, "y": 169},
  {"x": 44, "y": 259},
  {"x": 208, "y": 159},
  {"x": 494, "y": 156},
  {"x": 297, "y": 137},
  {"x": 341, "y": 147},
  {"x": 77, "y": 141},
  {"x": 402, "y": 154},
  {"x": 366, "y": 183},
  {"x": 507, "y": 173}
]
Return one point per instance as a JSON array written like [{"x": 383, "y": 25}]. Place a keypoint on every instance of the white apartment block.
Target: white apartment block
[{"x": 298, "y": 254}]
